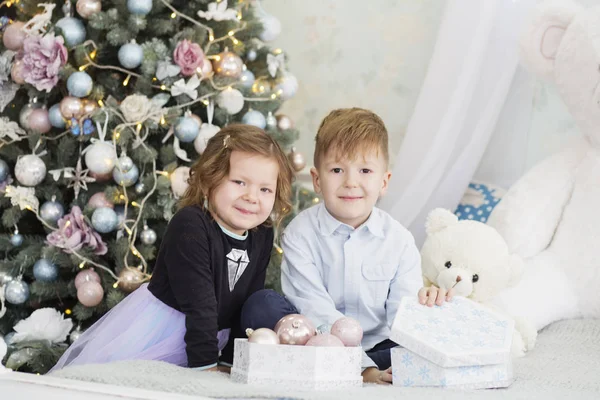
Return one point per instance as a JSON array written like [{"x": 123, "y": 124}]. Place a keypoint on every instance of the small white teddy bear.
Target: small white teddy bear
[{"x": 472, "y": 258}]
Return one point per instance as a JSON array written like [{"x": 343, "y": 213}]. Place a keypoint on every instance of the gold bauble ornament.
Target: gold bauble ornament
[
  {"x": 297, "y": 159},
  {"x": 89, "y": 106},
  {"x": 87, "y": 8},
  {"x": 130, "y": 279},
  {"x": 228, "y": 64},
  {"x": 71, "y": 107}
]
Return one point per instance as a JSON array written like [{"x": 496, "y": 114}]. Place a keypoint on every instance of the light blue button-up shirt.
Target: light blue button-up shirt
[{"x": 331, "y": 270}]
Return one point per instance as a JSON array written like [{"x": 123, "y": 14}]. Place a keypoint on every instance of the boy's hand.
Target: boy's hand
[
  {"x": 434, "y": 295},
  {"x": 374, "y": 375}
]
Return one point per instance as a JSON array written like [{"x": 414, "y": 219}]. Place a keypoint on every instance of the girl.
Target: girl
[{"x": 213, "y": 256}]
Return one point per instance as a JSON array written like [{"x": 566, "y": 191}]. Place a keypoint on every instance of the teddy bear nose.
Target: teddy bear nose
[{"x": 458, "y": 279}]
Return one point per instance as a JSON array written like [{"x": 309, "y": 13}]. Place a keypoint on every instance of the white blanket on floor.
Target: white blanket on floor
[{"x": 564, "y": 364}]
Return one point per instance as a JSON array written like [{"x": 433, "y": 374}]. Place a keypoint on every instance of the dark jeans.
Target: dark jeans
[{"x": 264, "y": 308}]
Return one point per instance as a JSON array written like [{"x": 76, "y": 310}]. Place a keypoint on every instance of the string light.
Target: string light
[
  {"x": 173, "y": 15},
  {"x": 277, "y": 51},
  {"x": 116, "y": 284},
  {"x": 83, "y": 67},
  {"x": 163, "y": 87},
  {"x": 138, "y": 127},
  {"x": 135, "y": 204},
  {"x": 162, "y": 120},
  {"x": 316, "y": 200},
  {"x": 122, "y": 197},
  {"x": 239, "y": 15},
  {"x": 273, "y": 96},
  {"x": 100, "y": 103},
  {"x": 116, "y": 135},
  {"x": 211, "y": 38},
  {"x": 68, "y": 311},
  {"x": 126, "y": 81},
  {"x": 82, "y": 264},
  {"x": 93, "y": 54}
]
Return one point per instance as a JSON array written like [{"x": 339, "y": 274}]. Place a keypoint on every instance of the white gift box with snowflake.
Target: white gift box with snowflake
[
  {"x": 459, "y": 344},
  {"x": 296, "y": 367}
]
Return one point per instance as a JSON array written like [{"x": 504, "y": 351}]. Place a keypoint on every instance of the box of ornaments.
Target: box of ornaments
[
  {"x": 460, "y": 344},
  {"x": 296, "y": 355}
]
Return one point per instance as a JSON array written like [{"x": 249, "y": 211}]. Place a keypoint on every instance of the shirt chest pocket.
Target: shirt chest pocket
[{"x": 377, "y": 278}]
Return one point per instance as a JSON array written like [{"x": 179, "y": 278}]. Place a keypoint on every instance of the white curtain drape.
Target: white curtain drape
[{"x": 471, "y": 81}]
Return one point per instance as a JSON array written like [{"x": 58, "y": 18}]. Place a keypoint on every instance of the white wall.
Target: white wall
[{"x": 346, "y": 54}]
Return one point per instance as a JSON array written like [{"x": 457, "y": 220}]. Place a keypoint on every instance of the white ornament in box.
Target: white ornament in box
[
  {"x": 458, "y": 344},
  {"x": 296, "y": 367}
]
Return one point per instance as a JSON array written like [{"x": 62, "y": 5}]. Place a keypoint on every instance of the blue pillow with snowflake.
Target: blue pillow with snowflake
[{"x": 478, "y": 201}]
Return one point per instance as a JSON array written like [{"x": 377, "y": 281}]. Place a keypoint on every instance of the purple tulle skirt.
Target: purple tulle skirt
[{"x": 140, "y": 327}]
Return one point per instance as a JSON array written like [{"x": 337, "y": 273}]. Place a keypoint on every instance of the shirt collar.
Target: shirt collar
[{"x": 328, "y": 224}]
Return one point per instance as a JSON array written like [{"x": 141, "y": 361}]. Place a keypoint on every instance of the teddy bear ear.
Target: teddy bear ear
[
  {"x": 541, "y": 40},
  {"x": 516, "y": 268},
  {"x": 439, "y": 219}
]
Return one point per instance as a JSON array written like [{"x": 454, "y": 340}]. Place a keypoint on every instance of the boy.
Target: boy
[{"x": 345, "y": 257}]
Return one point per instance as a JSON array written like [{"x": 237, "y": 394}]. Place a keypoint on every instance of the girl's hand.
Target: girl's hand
[{"x": 374, "y": 375}]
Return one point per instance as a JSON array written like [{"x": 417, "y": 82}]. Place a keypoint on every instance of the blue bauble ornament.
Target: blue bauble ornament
[
  {"x": 4, "y": 170},
  {"x": 79, "y": 84},
  {"x": 16, "y": 239},
  {"x": 131, "y": 55},
  {"x": 322, "y": 329},
  {"x": 255, "y": 118},
  {"x": 247, "y": 79},
  {"x": 139, "y": 7},
  {"x": 8, "y": 338},
  {"x": 128, "y": 178},
  {"x": 16, "y": 292},
  {"x": 72, "y": 29},
  {"x": 52, "y": 211},
  {"x": 251, "y": 55},
  {"x": 56, "y": 118},
  {"x": 187, "y": 129},
  {"x": 45, "y": 271},
  {"x": 104, "y": 219}
]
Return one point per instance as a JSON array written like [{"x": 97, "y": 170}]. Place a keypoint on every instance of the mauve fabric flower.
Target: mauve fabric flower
[
  {"x": 75, "y": 234},
  {"x": 189, "y": 56},
  {"x": 42, "y": 59}
]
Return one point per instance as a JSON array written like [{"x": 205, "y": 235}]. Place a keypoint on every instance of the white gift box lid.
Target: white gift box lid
[{"x": 459, "y": 333}]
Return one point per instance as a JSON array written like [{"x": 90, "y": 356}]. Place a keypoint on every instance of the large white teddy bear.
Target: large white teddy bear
[
  {"x": 472, "y": 258},
  {"x": 551, "y": 216}
]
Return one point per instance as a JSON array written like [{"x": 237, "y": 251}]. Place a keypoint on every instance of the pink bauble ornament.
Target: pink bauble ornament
[
  {"x": 295, "y": 329},
  {"x": 262, "y": 336},
  {"x": 325, "y": 340},
  {"x": 90, "y": 293},
  {"x": 87, "y": 275},
  {"x": 348, "y": 330},
  {"x": 14, "y": 36},
  {"x": 16, "y": 72},
  {"x": 87, "y": 8},
  {"x": 99, "y": 200},
  {"x": 71, "y": 107},
  {"x": 101, "y": 177},
  {"x": 39, "y": 120}
]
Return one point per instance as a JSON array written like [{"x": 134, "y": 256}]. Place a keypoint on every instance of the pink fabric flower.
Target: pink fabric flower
[
  {"x": 188, "y": 56},
  {"x": 42, "y": 59},
  {"x": 73, "y": 233}
]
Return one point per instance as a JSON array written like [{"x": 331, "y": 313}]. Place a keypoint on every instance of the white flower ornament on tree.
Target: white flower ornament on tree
[
  {"x": 43, "y": 324},
  {"x": 219, "y": 12}
]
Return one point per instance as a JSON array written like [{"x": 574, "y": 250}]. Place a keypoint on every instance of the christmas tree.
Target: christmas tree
[{"x": 105, "y": 105}]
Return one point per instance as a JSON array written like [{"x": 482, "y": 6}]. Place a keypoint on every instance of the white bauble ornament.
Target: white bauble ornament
[
  {"x": 148, "y": 236},
  {"x": 231, "y": 100},
  {"x": 30, "y": 170},
  {"x": 271, "y": 28},
  {"x": 179, "y": 181},
  {"x": 100, "y": 158},
  {"x": 287, "y": 86},
  {"x": 206, "y": 132}
]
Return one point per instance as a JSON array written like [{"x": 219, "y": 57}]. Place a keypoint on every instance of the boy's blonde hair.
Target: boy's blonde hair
[
  {"x": 350, "y": 132},
  {"x": 212, "y": 167}
]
